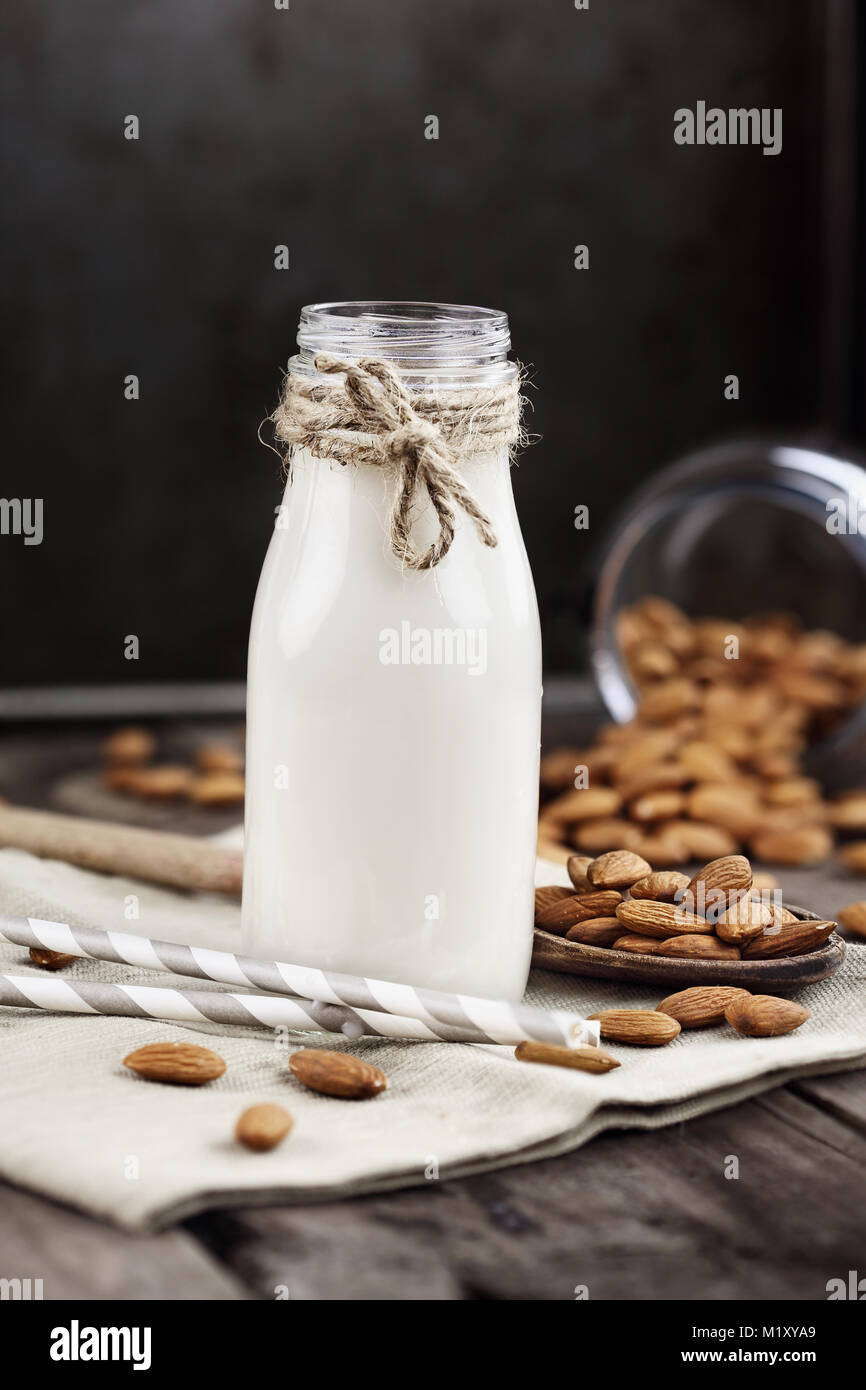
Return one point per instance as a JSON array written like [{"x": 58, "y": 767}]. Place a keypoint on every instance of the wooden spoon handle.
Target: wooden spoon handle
[{"x": 180, "y": 861}]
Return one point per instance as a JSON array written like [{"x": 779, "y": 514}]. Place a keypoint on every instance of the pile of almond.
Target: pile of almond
[
  {"x": 619, "y": 902},
  {"x": 711, "y": 764},
  {"x": 216, "y": 777}
]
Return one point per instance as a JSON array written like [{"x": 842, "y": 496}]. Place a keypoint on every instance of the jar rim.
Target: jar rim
[{"x": 438, "y": 342}]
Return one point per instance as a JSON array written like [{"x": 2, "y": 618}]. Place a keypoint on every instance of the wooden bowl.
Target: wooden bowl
[{"x": 780, "y": 975}]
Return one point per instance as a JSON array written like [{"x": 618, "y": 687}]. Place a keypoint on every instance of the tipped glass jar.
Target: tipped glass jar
[{"x": 734, "y": 531}]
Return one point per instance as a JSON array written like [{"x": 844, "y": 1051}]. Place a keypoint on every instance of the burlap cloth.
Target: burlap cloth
[{"x": 79, "y": 1127}]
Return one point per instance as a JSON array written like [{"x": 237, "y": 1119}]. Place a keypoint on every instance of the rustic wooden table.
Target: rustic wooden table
[{"x": 631, "y": 1215}]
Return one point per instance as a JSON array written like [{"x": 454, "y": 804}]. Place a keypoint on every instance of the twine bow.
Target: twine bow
[{"x": 373, "y": 417}]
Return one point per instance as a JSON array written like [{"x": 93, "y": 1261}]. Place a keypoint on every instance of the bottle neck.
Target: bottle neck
[{"x": 431, "y": 345}]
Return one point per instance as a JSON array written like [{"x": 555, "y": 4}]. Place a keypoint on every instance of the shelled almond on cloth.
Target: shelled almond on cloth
[
  {"x": 642, "y": 1027},
  {"x": 50, "y": 960},
  {"x": 590, "y": 1059},
  {"x": 853, "y": 918},
  {"x": 179, "y": 1063},
  {"x": 765, "y": 1015},
  {"x": 262, "y": 1127},
  {"x": 712, "y": 762},
  {"x": 337, "y": 1074},
  {"x": 700, "y": 1007}
]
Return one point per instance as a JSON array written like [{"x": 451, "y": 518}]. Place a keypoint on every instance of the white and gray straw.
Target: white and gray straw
[{"x": 299, "y": 996}]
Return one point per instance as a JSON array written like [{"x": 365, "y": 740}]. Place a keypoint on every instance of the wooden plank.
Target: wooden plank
[
  {"x": 76, "y": 1257},
  {"x": 630, "y": 1216},
  {"x": 842, "y": 1095}
]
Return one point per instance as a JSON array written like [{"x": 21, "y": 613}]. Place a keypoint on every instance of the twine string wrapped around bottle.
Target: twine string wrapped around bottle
[{"x": 372, "y": 417}]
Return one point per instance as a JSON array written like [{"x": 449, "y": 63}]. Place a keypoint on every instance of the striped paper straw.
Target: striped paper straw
[
  {"x": 490, "y": 1021},
  {"x": 211, "y": 1006}
]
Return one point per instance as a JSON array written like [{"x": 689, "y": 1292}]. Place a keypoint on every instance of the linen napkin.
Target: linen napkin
[{"x": 79, "y": 1127}]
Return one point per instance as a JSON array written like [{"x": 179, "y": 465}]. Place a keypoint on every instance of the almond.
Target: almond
[
  {"x": 559, "y": 768},
  {"x": 53, "y": 960},
  {"x": 262, "y": 1127},
  {"x": 703, "y": 841},
  {"x": 662, "y": 849},
  {"x": 652, "y": 661},
  {"x": 218, "y": 789},
  {"x": 700, "y": 1007},
  {"x": 129, "y": 747},
  {"x": 587, "y": 803},
  {"x": 718, "y": 884},
  {"x": 550, "y": 894},
  {"x": 853, "y": 856},
  {"x": 809, "y": 845},
  {"x": 580, "y": 1058},
  {"x": 765, "y": 1016},
  {"x": 734, "y": 809},
  {"x": 792, "y": 791},
  {"x": 745, "y": 920},
  {"x": 849, "y": 812},
  {"x": 638, "y": 945},
  {"x": 817, "y": 692},
  {"x": 600, "y": 836},
  {"x": 552, "y": 851},
  {"x": 764, "y": 883},
  {"x": 163, "y": 782},
  {"x": 788, "y": 939},
  {"x": 706, "y": 762},
  {"x": 667, "y": 699},
  {"x": 852, "y": 917},
  {"x": 559, "y": 916},
  {"x": 643, "y": 1027},
  {"x": 662, "y": 886},
  {"x": 657, "y": 805},
  {"x": 702, "y": 947},
  {"x": 651, "y": 918},
  {"x": 577, "y": 866},
  {"x": 337, "y": 1074},
  {"x": 598, "y": 931},
  {"x": 617, "y": 869},
  {"x": 180, "y": 1063},
  {"x": 218, "y": 757},
  {"x": 655, "y": 777}
]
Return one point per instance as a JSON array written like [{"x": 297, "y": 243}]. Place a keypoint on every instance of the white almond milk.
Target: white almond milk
[{"x": 392, "y": 739}]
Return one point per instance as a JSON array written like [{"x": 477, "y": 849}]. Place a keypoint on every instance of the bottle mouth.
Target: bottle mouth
[{"x": 427, "y": 343}]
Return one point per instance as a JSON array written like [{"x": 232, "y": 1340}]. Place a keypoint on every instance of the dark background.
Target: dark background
[{"x": 306, "y": 127}]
